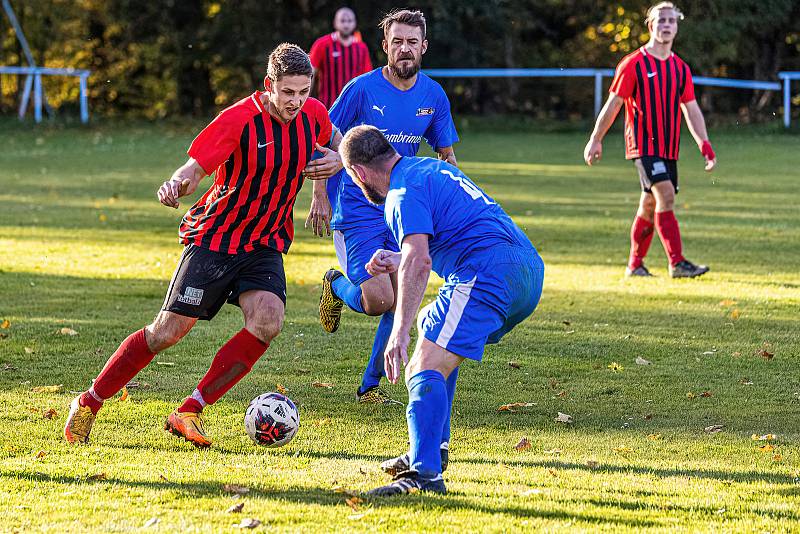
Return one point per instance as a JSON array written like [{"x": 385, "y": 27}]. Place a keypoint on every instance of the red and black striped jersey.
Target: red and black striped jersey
[
  {"x": 258, "y": 162},
  {"x": 653, "y": 90},
  {"x": 337, "y": 64}
]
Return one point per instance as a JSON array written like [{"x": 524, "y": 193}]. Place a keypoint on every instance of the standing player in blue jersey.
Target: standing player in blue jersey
[
  {"x": 407, "y": 106},
  {"x": 493, "y": 281}
]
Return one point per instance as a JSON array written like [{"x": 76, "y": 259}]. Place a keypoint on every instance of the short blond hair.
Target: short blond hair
[{"x": 652, "y": 12}]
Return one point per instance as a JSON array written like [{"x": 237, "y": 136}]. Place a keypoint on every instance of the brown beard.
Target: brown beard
[
  {"x": 404, "y": 73},
  {"x": 372, "y": 194}
]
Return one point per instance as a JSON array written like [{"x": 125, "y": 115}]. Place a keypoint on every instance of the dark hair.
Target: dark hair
[
  {"x": 288, "y": 60},
  {"x": 403, "y": 16},
  {"x": 365, "y": 145}
]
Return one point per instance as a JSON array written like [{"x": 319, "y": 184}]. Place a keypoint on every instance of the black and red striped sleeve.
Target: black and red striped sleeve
[
  {"x": 321, "y": 120},
  {"x": 688, "y": 84},
  {"x": 624, "y": 78},
  {"x": 214, "y": 145}
]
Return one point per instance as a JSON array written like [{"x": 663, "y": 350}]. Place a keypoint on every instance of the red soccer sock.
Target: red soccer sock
[
  {"x": 132, "y": 356},
  {"x": 641, "y": 237},
  {"x": 667, "y": 226},
  {"x": 233, "y": 361}
]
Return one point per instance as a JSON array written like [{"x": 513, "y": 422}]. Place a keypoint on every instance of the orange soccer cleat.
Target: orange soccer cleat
[{"x": 189, "y": 426}]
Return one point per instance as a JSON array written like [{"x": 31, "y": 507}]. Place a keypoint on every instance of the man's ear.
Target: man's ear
[
  {"x": 385, "y": 46},
  {"x": 424, "y": 46},
  {"x": 267, "y": 84}
]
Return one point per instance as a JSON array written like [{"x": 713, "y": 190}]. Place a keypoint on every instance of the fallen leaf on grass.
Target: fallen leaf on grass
[
  {"x": 563, "y": 418},
  {"x": 523, "y": 445},
  {"x": 654, "y": 437},
  {"x": 41, "y": 454},
  {"x": 124, "y": 395},
  {"x": 690, "y": 395},
  {"x": 514, "y": 365},
  {"x": 614, "y": 366},
  {"x": 348, "y": 492},
  {"x": 5, "y": 324},
  {"x": 727, "y": 303},
  {"x": 48, "y": 389},
  {"x": 3, "y": 335},
  {"x": 554, "y": 452},
  {"x": 247, "y": 522},
  {"x": 735, "y": 314},
  {"x": 713, "y": 429},
  {"x": 767, "y": 448},
  {"x": 97, "y": 476},
  {"x": 235, "y": 488},
  {"x": 66, "y": 331},
  {"x": 282, "y": 390},
  {"x": 648, "y": 416},
  {"x": 764, "y": 353},
  {"x": 592, "y": 464},
  {"x": 29, "y": 350},
  {"x": 235, "y": 509},
  {"x": 641, "y": 361},
  {"x": 764, "y": 437},
  {"x": 623, "y": 450},
  {"x": 566, "y": 323},
  {"x": 162, "y": 477},
  {"x": 50, "y": 413},
  {"x": 317, "y": 384},
  {"x": 515, "y": 406},
  {"x": 553, "y": 472},
  {"x": 153, "y": 521},
  {"x": 562, "y": 394},
  {"x": 553, "y": 383},
  {"x": 706, "y": 394},
  {"x": 353, "y": 502},
  {"x": 746, "y": 382},
  {"x": 777, "y": 457}
]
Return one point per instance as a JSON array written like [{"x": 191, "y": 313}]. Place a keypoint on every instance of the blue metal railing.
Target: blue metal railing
[
  {"x": 33, "y": 82},
  {"x": 599, "y": 74}
]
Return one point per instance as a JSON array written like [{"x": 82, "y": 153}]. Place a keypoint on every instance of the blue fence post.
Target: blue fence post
[
  {"x": 26, "y": 96},
  {"x": 598, "y": 90},
  {"x": 84, "y": 101},
  {"x": 787, "y": 102},
  {"x": 37, "y": 97}
]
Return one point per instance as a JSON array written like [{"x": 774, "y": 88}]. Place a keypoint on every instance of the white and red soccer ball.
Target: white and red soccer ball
[{"x": 271, "y": 420}]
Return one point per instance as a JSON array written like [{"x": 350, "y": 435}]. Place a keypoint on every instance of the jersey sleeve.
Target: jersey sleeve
[
  {"x": 366, "y": 63},
  {"x": 624, "y": 79},
  {"x": 217, "y": 141},
  {"x": 324, "y": 121},
  {"x": 688, "y": 86},
  {"x": 408, "y": 213},
  {"x": 317, "y": 53},
  {"x": 442, "y": 131},
  {"x": 344, "y": 112}
]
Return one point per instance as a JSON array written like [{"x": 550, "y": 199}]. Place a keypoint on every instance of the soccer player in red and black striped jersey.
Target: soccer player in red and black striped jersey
[
  {"x": 234, "y": 238},
  {"x": 338, "y": 57},
  {"x": 654, "y": 85}
]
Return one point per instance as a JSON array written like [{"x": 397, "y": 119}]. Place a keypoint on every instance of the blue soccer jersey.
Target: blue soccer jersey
[
  {"x": 492, "y": 273},
  {"x": 404, "y": 117},
  {"x": 428, "y": 196}
]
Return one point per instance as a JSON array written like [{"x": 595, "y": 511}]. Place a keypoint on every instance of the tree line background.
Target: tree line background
[{"x": 161, "y": 58}]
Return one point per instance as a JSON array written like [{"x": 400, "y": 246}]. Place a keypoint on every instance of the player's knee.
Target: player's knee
[
  {"x": 266, "y": 324},
  {"x": 165, "y": 332},
  {"x": 378, "y": 306},
  {"x": 647, "y": 204}
]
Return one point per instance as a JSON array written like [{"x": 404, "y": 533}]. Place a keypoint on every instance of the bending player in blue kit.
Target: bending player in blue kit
[
  {"x": 407, "y": 106},
  {"x": 493, "y": 281}
]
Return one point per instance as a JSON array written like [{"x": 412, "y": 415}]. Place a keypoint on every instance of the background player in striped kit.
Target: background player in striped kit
[
  {"x": 654, "y": 85},
  {"x": 235, "y": 236},
  {"x": 338, "y": 57}
]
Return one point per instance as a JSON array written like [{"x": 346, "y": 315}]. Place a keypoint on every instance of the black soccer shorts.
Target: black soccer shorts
[
  {"x": 204, "y": 280},
  {"x": 653, "y": 169}
]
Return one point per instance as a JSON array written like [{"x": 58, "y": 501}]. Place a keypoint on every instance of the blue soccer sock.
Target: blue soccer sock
[
  {"x": 451, "y": 393},
  {"x": 349, "y": 293},
  {"x": 427, "y": 408},
  {"x": 374, "y": 371}
]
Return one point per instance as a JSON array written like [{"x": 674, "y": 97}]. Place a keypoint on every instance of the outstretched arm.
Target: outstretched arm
[
  {"x": 183, "y": 182},
  {"x": 594, "y": 148},
  {"x": 320, "y": 213},
  {"x": 415, "y": 268},
  {"x": 697, "y": 127}
]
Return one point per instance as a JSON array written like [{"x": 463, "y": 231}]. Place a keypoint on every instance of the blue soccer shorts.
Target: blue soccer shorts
[
  {"x": 484, "y": 300},
  {"x": 355, "y": 247}
]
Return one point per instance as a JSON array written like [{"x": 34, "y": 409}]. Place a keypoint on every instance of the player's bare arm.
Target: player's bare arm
[
  {"x": 447, "y": 154},
  {"x": 320, "y": 213},
  {"x": 383, "y": 262},
  {"x": 594, "y": 148},
  {"x": 183, "y": 182},
  {"x": 697, "y": 127},
  {"x": 413, "y": 273}
]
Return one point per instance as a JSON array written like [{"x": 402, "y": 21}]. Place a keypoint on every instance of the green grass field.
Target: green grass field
[{"x": 85, "y": 245}]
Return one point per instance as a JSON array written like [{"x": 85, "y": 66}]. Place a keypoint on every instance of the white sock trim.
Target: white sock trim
[
  {"x": 199, "y": 398},
  {"x": 94, "y": 395}
]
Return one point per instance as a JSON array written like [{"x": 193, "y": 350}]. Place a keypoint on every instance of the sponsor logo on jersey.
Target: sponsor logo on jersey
[
  {"x": 421, "y": 112},
  {"x": 400, "y": 137},
  {"x": 191, "y": 296},
  {"x": 379, "y": 109}
]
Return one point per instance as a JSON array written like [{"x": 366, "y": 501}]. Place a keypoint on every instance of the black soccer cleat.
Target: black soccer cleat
[
  {"x": 375, "y": 395},
  {"x": 400, "y": 464},
  {"x": 639, "y": 271},
  {"x": 409, "y": 482},
  {"x": 687, "y": 269},
  {"x": 330, "y": 306}
]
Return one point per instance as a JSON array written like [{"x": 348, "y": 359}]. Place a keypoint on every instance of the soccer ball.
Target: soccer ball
[{"x": 271, "y": 420}]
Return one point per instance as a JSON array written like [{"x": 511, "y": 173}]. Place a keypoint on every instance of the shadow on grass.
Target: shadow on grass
[{"x": 322, "y": 496}]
